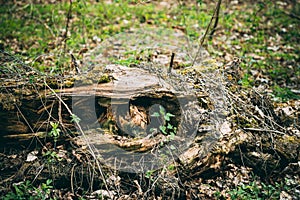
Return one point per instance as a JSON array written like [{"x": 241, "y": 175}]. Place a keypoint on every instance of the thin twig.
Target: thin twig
[
  {"x": 264, "y": 130},
  {"x": 24, "y": 118},
  {"x": 83, "y": 134},
  {"x": 72, "y": 178},
  {"x": 74, "y": 64},
  {"x": 203, "y": 38},
  {"x": 216, "y": 21},
  {"x": 171, "y": 62}
]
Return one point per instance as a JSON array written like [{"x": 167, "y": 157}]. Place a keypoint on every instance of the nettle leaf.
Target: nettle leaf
[
  {"x": 171, "y": 167},
  {"x": 49, "y": 181},
  {"x": 156, "y": 114},
  {"x": 149, "y": 173},
  {"x": 54, "y": 125},
  {"x": 75, "y": 118},
  {"x": 168, "y": 115},
  {"x": 170, "y": 126},
  {"x": 172, "y": 135},
  {"x": 167, "y": 118},
  {"x": 152, "y": 130},
  {"x": 162, "y": 110},
  {"x": 163, "y": 129}
]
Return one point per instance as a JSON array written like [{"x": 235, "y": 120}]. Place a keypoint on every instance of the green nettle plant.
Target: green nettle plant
[
  {"x": 165, "y": 126},
  {"x": 55, "y": 131},
  {"x": 75, "y": 118},
  {"x": 259, "y": 191},
  {"x": 51, "y": 156},
  {"x": 26, "y": 190},
  {"x": 149, "y": 174}
]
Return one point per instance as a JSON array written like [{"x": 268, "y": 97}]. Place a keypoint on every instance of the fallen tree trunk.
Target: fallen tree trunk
[
  {"x": 28, "y": 112},
  {"x": 20, "y": 113}
]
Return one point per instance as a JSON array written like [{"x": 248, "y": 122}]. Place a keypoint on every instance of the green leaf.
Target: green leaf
[
  {"x": 162, "y": 110},
  {"x": 75, "y": 118},
  {"x": 172, "y": 147},
  {"x": 54, "y": 125},
  {"x": 156, "y": 114},
  {"x": 153, "y": 130},
  {"x": 163, "y": 129},
  {"x": 167, "y": 118},
  {"x": 172, "y": 135},
  {"x": 171, "y": 167},
  {"x": 168, "y": 115},
  {"x": 170, "y": 126},
  {"x": 49, "y": 181},
  {"x": 149, "y": 173}
]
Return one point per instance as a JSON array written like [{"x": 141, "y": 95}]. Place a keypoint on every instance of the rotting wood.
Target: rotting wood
[{"x": 34, "y": 112}]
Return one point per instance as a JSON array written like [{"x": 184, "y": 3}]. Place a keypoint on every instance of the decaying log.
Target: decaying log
[
  {"x": 114, "y": 109},
  {"x": 112, "y": 102},
  {"x": 135, "y": 88}
]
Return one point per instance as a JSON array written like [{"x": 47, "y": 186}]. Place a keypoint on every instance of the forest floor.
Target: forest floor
[{"x": 254, "y": 51}]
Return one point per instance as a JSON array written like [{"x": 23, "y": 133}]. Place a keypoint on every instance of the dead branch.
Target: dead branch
[
  {"x": 206, "y": 31},
  {"x": 171, "y": 62},
  {"x": 216, "y": 20},
  {"x": 81, "y": 132}
]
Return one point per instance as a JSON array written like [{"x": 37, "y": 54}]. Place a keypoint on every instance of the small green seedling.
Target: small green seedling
[
  {"x": 55, "y": 131},
  {"x": 75, "y": 118},
  {"x": 165, "y": 126}
]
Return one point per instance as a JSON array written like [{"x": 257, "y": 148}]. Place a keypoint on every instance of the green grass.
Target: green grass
[
  {"x": 35, "y": 29},
  {"x": 259, "y": 190},
  {"x": 25, "y": 190},
  {"x": 269, "y": 27},
  {"x": 34, "y": 26}
]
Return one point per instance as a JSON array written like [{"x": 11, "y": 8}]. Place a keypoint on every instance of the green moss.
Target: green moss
[{"x": 105, "y": 78}]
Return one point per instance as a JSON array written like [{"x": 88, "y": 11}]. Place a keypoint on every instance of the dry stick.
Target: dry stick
[
  {"x": 83, "y": 134},
  {"x": 171, "y": 63},
  {"x": 75, "y": 64},
  {"x": 264, "y": 130},
  {"x": 203, "y": 38},
  {"x": 216, "y": 21},
  {"x": 60, "y": 120},
  {"x": 72, "y": 177},
  {"x": 24, "y": 118},
  {"x": 38, "y": 173}
]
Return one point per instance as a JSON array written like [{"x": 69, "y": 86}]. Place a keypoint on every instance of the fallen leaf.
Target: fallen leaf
[
  {"x": 32, "y": 156},
  {"x": 225, "y": 128}
]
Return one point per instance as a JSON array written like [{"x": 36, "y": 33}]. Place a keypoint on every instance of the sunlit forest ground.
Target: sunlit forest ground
[{"x": 264, "y": 35}]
